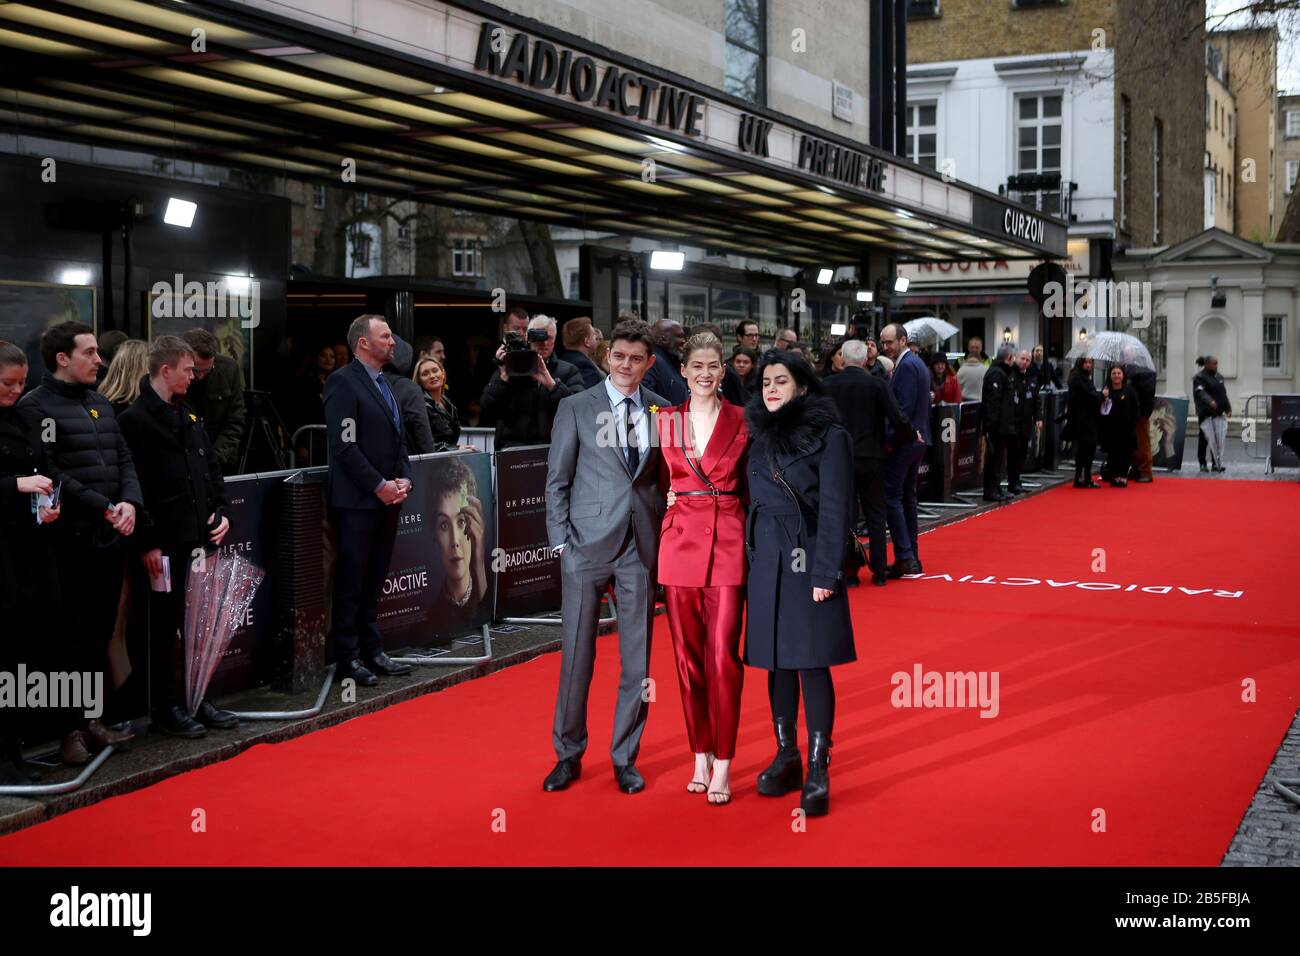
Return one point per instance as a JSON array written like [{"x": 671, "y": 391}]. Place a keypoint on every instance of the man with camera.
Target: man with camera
[{"x": 526, "y": 391}]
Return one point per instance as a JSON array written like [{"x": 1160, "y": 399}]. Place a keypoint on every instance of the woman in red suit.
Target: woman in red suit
[{"x": 702, "y": 560}]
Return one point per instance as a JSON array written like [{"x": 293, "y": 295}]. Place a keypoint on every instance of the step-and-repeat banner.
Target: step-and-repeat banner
[{"x": 528, "y": 581}]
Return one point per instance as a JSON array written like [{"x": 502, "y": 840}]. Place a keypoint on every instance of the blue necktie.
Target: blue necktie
[{"x": 388, "y": 397}]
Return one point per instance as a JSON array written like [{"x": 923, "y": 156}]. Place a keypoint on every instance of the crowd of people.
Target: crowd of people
[{"x": 763, "y": 448}]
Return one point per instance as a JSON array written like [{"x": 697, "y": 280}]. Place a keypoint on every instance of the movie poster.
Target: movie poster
[
  {"x": 27, "y": 309},
  {"x": 1168, "y": 430},
  {"x": 529, "y": 579}
]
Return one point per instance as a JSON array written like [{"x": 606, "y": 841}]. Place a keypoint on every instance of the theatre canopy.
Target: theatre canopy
[{"x": 473, "y": 107}]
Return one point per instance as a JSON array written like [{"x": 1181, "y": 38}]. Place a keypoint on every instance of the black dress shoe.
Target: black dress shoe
[
  {"x": 998, "y": 498},
  {"x": 879, "y": 580},
  {"x": 176, "y": 722},
  {"x": 629, "y": 781},
  {"x": 354, "y": 670},
  {"x": 1017, "y": 490},
  {"x": 383, "y": 664},
  {"x": 1205, "y": 467},
  {"x": 900, "y": 568},
  {"x": 1143, "y": 479},
  {"x": 852, "y": 580},
  {"x": 565, "y": 772},
  {"x": 13, "y": 752},
  {"x": 210, "y": 715}
]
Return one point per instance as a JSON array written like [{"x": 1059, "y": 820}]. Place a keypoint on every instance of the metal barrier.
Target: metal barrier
[
  {"x": 54, "y": 789},
  {"x": 311, "y": 445},
  {"x": 1256, "y": 449},
  {"x": 434, "y": 659}
]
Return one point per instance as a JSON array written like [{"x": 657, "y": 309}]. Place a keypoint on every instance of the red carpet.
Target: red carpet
[{"x": 1125, "y": 702}]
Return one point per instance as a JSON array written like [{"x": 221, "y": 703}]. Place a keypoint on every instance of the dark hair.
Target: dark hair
[
  {"x": 11, "y": 354},
  {"x": 745, "y": 350},
  {"x": 828, "y": 363},
  {"x": 451, "y": 477},
  {"x": 167, "y": 350},
  {"x": 1123, "y": 371},
  {"x": 1200, "y": 361},
  {"x": 937, "y": 355},
  {"x": 516, "y": 310},
  {"x": 61, "y": 339},
  {"x": 203, "y": 342},
  {"x": 1078, "y": 366},
  {"x": 109, "y": 342},
  {"x": 798, "y": 367},
  {"x": 740, "y": 326},
  {"x": 633, "y": 330}
]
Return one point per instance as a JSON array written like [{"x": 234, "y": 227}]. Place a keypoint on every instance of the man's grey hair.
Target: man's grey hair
[
  {"x": 854, "y": 352},
  {"x": 539, "y": 320},
  {"x": 1005, "y": 352}
]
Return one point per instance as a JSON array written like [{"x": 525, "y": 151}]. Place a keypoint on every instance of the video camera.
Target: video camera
[{"x": 520, "y": 359}]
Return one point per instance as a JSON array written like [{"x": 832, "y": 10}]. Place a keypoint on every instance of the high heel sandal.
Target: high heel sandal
[{"x": 704, "y": 784}]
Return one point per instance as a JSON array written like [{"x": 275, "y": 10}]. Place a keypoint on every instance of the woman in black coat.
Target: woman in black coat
[
  {"x": 796, "y": 536},
  {"x": 29, "y": 586},
  {"x": 444, "y": 421},
  {"x": 1083, "y": 416},
  {"x": 1119, "y": 415}
]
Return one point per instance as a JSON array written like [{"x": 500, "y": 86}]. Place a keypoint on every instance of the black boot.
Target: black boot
[
  {"x": 11, "y": 750},
  {"x": 816, "y": 799},
  {"x": 786, "y": 772}
]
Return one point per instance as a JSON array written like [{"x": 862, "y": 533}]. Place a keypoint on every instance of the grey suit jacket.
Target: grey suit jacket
[{"x": 590, "y": 497}]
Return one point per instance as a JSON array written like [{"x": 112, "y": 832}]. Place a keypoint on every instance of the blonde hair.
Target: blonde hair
[
  {"x": 129, "y": 367},
  {"x": 699, "y": 341},
  {"x": 415, "y": 372}
]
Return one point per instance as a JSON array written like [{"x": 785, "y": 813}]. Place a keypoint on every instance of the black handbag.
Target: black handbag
[{"x": 855, "y": 555}]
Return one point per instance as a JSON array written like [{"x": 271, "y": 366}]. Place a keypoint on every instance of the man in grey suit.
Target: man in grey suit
[{"x": 604, "y": 507}]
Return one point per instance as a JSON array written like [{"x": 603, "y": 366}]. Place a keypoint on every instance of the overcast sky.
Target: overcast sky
[{"x": 1288, "y": 51}]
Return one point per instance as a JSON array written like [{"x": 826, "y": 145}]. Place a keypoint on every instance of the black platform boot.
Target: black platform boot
[
  {"x": 786, "y": 772},
  {"x": 816, "y": 799}
]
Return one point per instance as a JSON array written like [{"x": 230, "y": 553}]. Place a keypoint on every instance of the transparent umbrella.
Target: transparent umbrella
[
  {"x": 1113, "y": 348},
  {"x": 929, "y": 330},
  {"x": 217, "y": 596}
]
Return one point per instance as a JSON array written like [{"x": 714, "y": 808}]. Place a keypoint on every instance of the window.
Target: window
[
  {"x": 1038, "y": 142},
  {"x": 318, "y": 197},
  {"x": 574, "y": 284},
  {"x": 466, "y": 257},
  {"x": 1292, "y": 170},
  {"x": 1124, "y": 119},
  {"x": 746, "y": 26},
  {"x": 1274, "y": 332},
  {"x": 1292, "y": 123},
  {"x": 1157, "y": 134},
  {"x": 922, "y": 9},
  {"x": 922, "y": 133},
  {"x": 404, "y": 235}
]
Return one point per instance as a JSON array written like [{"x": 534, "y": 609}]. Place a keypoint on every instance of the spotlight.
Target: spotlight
[
  {"x": 824, "y": 276},
  {"x": 1006, "y": 334},
  {"x": 662, "y": 259},
  {"x": 839, "y": 328},
  {"x": 1083, "y": 335},
  {"x": 239, "y": 285},
  {"x": 74, "y": 277},
  {"x": 901, "y": 284},
  {"x": 180, "y": 212},
  {"x": 866, "y": 296}
]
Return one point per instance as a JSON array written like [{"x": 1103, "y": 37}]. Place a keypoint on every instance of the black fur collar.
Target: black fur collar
[{"x": 793, "y": 430}]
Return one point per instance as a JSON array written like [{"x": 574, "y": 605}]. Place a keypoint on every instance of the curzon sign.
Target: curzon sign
[{"x": 1023, "y": 226}]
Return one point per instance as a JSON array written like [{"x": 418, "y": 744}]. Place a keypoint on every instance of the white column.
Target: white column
[
  {"x": 1250, "y": 350},
  {"x": 1178, "y": 377}
]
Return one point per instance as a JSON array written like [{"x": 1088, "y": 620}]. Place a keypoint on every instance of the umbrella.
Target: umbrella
[
  {"x": 217, "y": 596},
  {"x": 929, "y": 328},
  {"x": 1114, "y": 348}
]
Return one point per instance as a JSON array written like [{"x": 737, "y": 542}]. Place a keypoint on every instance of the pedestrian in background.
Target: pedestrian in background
[{"x": 1210, "y": 393}]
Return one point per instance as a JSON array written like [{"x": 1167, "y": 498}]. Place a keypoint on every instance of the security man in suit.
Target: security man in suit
[{"x": 369, "y": 478}]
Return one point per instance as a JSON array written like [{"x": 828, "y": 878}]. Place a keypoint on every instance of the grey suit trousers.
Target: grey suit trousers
[{"x": 584, "y": 584}]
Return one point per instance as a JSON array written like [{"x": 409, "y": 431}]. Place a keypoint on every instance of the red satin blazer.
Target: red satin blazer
[{"x": 703, "y": 539}]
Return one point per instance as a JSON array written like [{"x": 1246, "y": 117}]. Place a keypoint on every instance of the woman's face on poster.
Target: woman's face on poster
[{"x": 451, "y": 523}]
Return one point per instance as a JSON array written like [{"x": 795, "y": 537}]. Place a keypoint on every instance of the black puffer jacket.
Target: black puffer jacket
[
  {"x": 999, "y": 400},
  {"x": 88, "y": 453},
  {"x": 27, "y": 571}
]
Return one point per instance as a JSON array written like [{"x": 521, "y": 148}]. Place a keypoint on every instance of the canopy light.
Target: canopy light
[
  {"x": 824, "y": 276},
  {"x": 662, "y": 259},
  {"x": 838, "y": 328},
  {"x": 239, "y": 285},
  {"x": 74, "y": 277},
  {"x": 180, "y": 212},
  {"x": 866, "y": 296},
  {"x": 901, "y": 284}
]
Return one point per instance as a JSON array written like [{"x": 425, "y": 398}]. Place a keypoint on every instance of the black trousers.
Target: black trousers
[
  {"x": 869, "y": 486},
  {"x": 365, "y": 548},
  {"x": 166, "y": 635},
  {"x": 997, "y": 452},
  {"x": 1202, "y": 447},
  {"x": 818, "y": 697},
  {"x": 1084, "y": 453},
  {"x": 1017, "y": 449},
  {"x": 91, "y": 578}
]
